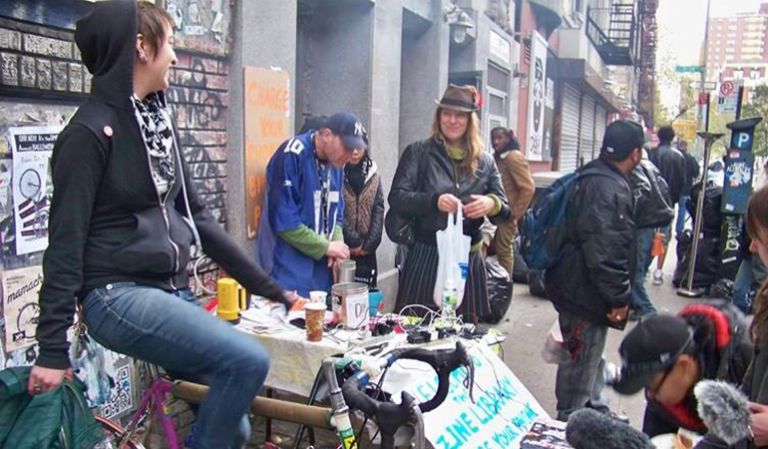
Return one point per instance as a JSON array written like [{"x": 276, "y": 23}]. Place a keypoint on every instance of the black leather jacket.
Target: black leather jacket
[
  {"x": 595, "y": 277},
  {"x": 653, "y": 205},
  {"x": 424, "y": 173},
  {"x": 671, "y": 164}
]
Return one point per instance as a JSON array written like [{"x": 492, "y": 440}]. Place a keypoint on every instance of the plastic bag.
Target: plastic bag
[
  {"x": 499, "y": 290},
  {"x": 554, "y": 350},
  {"x": 453, "y": 249}
]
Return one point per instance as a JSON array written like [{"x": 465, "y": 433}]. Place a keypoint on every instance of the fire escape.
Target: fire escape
[
  {"x": 613, "y": 32},
  {"x": 647, "y": 63}
]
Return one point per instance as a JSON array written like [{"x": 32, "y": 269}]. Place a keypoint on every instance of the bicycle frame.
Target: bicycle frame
[{"x": 153, "y": 403}]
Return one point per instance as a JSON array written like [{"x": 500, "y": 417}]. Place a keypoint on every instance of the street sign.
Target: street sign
[
  {"x": 727, "y": 104},
  {"x": 685, "y": 129},
  {"x": 708, "y": 85},
  {"x": 689, "y": 69},
  {"x": 726, "y": 88},
  {"x": 703, "y": 98}
]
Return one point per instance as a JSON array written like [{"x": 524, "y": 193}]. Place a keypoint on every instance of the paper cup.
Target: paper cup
[
  {"x": 317, "y": 296},
  {"x": 314, "y": 316}
]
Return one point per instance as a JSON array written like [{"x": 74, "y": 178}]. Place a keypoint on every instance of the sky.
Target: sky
[{"x": 681, "y": 32}]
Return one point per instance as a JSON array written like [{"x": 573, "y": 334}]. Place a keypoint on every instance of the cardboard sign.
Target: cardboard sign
[{"x": 500, "y": 416}]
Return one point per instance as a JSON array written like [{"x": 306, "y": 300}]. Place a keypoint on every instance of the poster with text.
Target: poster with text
[
  {"x": 496, "y": 415},
  {"x": 20, "y": 306},
  {"x": 31, "y": 147},
  {"x": 267, "y": 114},
  {"x": 537, "y": 87}
]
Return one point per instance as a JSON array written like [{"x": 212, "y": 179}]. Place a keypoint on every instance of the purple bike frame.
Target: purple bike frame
[{"x": 157, "y": 393}]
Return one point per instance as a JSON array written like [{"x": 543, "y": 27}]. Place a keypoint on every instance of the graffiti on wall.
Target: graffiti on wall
[{"x": 201, "y": 25}]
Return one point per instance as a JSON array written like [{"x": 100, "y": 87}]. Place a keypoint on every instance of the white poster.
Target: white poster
[
  {"x": 32, "y": 147},
  {"x": 496, "y": 416},
  {"x": 537, "y": 86},
  {"x": 21, "y": 288}
]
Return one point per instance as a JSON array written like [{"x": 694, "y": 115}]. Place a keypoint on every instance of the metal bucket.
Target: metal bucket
[{"x": 350, "y": 304}]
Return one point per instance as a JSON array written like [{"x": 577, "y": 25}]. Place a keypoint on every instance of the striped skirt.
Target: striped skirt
[{"x": 417, "y": 283}]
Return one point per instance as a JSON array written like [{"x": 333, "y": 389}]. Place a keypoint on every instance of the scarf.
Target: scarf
[
  {"x": 158, "y": 138},
  {"x": 357, "y": 174}
]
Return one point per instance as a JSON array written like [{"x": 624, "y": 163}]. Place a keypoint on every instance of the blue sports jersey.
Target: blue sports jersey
[{"x": 294, "y": 197}]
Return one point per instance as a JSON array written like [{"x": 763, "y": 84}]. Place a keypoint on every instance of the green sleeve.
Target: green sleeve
[
  {"x": 338, "y": 234},
  {"x": 305, "y": 240},
  {"x": 496, "y": 205}
]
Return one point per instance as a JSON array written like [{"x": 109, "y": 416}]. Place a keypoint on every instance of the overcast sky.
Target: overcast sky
[{"x": 681, "y": 31}]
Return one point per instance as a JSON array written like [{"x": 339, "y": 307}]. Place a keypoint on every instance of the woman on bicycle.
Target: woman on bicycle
[
  {"x": 123, "y": 218},
  {"x": 434, "y": 178}
]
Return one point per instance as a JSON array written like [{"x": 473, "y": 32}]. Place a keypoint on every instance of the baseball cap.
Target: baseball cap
[
  {"x": 347, "y": 126},
  {"x": 651, "y": 347},
  {"x": 621, "y": 137}
]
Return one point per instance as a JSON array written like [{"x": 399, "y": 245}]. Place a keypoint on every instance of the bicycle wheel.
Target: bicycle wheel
[{"x": 113, "y": 434}]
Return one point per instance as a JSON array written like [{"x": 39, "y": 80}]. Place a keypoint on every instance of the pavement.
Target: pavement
[{"x": 527, "y": 324}]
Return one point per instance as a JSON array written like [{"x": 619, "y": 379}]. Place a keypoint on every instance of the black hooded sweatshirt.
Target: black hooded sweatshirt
[{"x": 108, "y": 223}]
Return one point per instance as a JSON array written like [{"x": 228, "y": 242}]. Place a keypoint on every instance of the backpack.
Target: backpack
[{"x": 543, "y": 232}]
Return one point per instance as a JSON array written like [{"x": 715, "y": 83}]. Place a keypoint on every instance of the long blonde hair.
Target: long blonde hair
[{"x": 471, "y": 142}]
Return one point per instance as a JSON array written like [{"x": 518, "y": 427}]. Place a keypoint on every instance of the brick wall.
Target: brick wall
[{"x": 38, "y": 62}]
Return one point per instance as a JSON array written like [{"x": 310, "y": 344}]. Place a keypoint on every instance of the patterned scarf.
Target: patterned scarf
[{"x": 158, "y": 137}]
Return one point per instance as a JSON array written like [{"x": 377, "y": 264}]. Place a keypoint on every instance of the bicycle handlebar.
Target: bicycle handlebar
[{"x": 390, "y": 416}]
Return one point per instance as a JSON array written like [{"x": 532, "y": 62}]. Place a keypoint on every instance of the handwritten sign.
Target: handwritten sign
[
  {"x": 267, "y": 113},
  {"x": 500, "y": 416}
]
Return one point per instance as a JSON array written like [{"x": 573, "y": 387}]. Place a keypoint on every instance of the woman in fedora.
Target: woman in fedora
[{"x": 437, "y": 176}]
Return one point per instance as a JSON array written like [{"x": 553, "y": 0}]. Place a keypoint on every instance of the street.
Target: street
[{"x": 527, "y": 324}]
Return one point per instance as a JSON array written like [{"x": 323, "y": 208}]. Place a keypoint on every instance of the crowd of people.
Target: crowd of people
[{"x": 125, "y": 216}]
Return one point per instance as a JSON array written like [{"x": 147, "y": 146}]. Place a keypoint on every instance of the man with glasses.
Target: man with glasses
[
  {"x": 667, "y": 355},
  {"x": 300, "y": 235}
]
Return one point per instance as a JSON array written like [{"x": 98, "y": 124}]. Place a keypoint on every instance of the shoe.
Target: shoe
[
  {"x": 658, "y": 277},
  {"x": 620, "y": 417}
]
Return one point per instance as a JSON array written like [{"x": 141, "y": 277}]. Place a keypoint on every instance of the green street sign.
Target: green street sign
[{"x": 689, "y": 69}]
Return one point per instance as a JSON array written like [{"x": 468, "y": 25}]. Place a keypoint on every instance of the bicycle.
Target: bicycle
[{"x": 154, "y": 402}]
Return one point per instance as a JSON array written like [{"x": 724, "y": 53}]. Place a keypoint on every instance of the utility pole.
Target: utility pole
[{"x": 703, "y": 91}]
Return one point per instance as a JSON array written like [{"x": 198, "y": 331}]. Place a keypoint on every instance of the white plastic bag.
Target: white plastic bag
[
  {"x": 453, "y": 249},
  {"x": 554, "y": 350}
]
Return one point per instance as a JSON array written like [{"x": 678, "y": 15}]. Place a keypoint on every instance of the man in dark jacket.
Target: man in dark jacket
[
  {"x": 671, "y": 164},
  {"x": 667, "y": 355},
  {"x": 653, "y": 209},
  {"x": 590, "y": 285},
  {"x": 691, "y": 174}
]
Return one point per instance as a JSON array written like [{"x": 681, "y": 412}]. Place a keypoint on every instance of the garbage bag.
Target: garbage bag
[
  {"x": 536, "y": 283},
  {"x": 499, "y": 290},
  {"x": 520, "y": 270}
]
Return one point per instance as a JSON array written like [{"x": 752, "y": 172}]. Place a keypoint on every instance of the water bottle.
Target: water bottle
[{"x": 450, "y": 299}]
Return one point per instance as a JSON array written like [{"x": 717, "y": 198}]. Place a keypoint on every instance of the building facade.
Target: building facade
[{"x": 737, "y": 46}]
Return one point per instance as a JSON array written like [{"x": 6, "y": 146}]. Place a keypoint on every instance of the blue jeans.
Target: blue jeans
[
  {"x": 641, "y": 302},
  {"x": 153, "y": 325},
  {"x": 580, "y": 381},
  {"x": 682, "y": 212}
]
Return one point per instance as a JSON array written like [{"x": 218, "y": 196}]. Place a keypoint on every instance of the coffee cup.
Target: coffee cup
[{"x": 314, "y": 317}]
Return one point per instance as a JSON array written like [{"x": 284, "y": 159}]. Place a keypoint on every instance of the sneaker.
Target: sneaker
[
  {"x": 620, "y": 417},
  {"x": 658, "y": 277}
]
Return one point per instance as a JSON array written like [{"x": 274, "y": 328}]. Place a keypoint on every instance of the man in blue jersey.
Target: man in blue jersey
[{"x": 300, "y": 239}]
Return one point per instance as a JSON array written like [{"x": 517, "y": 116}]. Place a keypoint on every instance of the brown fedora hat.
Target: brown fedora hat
[{"x": 459, "y": 98}]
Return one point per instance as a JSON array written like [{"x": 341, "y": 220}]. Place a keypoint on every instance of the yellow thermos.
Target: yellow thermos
[{"x": 231, "y": 300}]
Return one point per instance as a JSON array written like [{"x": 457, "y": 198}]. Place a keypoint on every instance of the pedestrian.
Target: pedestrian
[
  {"x": 668, "y": 354},
  {"x": 363, "y": 214},
  {"x": 590, "y": 285},
  {"x": 435, "y": 177},
  {"x": 653, "y": 210},
  {"x": 124, "y": 214},
  {"x": 691, "y": 175},
  {"x": 519, "y": 187},
  {"x": 672, "y": 165},
  {"x": 755, "y": 381},
  {"x": 301, "y": 240}
]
